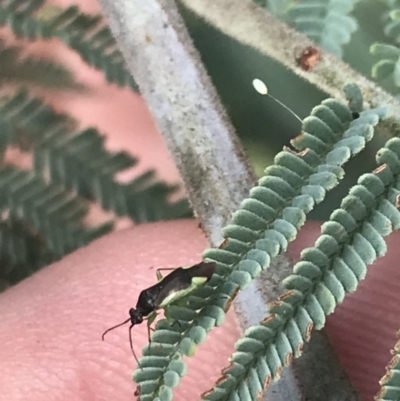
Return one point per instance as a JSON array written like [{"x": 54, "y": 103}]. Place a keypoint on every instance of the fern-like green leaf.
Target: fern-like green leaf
[
  {"x": 32, "y": 70},
  {"x": 52, "y": 211},
  {"x": 388, "y": 65},
  {"x": 391, "y": 21},
  {"x": 350, "y": 240},
  {"x": 87, "y": 34},
  {"x": 262, "y": 228},
  {"x": 328, "y": 23},
  {"x": 79, "y": 161},
  {"x": 390, "y": 383}
]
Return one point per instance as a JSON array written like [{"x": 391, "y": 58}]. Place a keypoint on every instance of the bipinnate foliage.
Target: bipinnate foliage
[
  {"x": 350, "y": 240},
  {"x": 388, "y": 54},
  {"x": 328, "y": 23},
  {"x": 390, "y": 383},
  {"x": 14, "y": 68},
  {"x": 26, "y": 195},
  {"x": 71, "y": 169},
  {"x": 86, "y": 34},
  {"x": 79, "y": 161},
  {"x": 260, "y": 230},
  {"x": 53, "y": 218}
]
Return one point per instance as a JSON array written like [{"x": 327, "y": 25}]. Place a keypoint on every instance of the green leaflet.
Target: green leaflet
[
  {"x": 86, "y": 34},
  {"x": 388, "y": 64},
  {"x": 77, "y": 168},
  {"x": 49, "y": 210},
  {"x": 327, "y": 23},
  {"x": 390, "y": 383},
  {"x": 33, "y": 70},
  {"x": 262, "y": 228},
  {"x": 335, "y": 265}
]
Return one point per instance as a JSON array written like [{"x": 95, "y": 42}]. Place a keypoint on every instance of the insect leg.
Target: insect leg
[
  {"x": 158, "y": 272},
  {"x": 150, "y": 321}
]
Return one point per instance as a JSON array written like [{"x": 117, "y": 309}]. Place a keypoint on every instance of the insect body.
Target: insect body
[{"x": 171, "y": 288}]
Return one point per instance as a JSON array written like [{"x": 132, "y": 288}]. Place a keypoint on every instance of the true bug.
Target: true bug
[{"x": 169, "y": 289}]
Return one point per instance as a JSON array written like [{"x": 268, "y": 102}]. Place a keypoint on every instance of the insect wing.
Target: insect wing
[{"x": 183, "y": 281}]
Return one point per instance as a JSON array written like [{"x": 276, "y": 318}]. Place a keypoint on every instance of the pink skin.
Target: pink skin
[
  {"x": 51, "y": 325},
  {"x": 53, "y": 321}
]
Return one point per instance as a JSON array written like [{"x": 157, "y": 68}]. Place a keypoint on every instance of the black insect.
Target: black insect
[{"x": 169, "y": 289}]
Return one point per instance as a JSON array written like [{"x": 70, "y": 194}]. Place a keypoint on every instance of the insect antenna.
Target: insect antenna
[
  {"x": 130, "y": 337},
  {"x": 114, "y": 327},
  {"x": 130, "y": 342}
]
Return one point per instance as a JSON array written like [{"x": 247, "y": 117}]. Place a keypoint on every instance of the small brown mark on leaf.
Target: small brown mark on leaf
[
  {"x": 300, "y": 348},
  {"x": 268, "y": 318},
  {"x": 297, "y": 138},
  {"x": 288, "y": 359},
  {"x": 267, "y": 381},
  {"x": 224, "y": 243},
  {"x": 274, "y": 304},
  {"x": 287, "y": 295},
  {"x": 388, "y": 375},
  {"x": 300, "y": 154},
  {"x": 137, "y": 391},
  {"x": 397, "y": 345},
  {"x": 222, "y": 379},
  {"x": 397, "y": 201},
  {"x": 380, "y": 394},
  {"x": 226, "y": 368},
  {"x": 278, "y": 372},
  {"x": 393, "y": 362},
  {"x": 231, "y": 299},
  {"x": 308, "y": 58},
  {"x": 380, "y": 168},
  {"x": 207, "y": 393},
  {"x": 308, "y": 331}
]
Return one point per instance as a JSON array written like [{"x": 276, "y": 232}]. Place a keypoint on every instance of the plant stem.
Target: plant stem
[{"x": 185, "y": 106}]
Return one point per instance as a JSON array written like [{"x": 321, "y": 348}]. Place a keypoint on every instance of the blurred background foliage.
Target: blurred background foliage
[
  {"x": 40, "y": 223},
  {"x": 66, "y": 172}
]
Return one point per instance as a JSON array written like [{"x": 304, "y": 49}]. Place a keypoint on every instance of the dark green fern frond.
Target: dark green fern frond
[
  {"x": 350, "y": 241},
  {"x": 328, "y": 23},
  {"x": 391, "y": 20},
  {"x": 261, "y": 229},
  {"x": 33, "y": 70},
  {"x": 389, "y": 64},
  {"x": 51, "y": 211},
  {"x": 80, "y": 161},
  {"x": 390, "y": 383},
  {"x": 86, "y": 34},
  {"x": 22, "y": 251}
]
